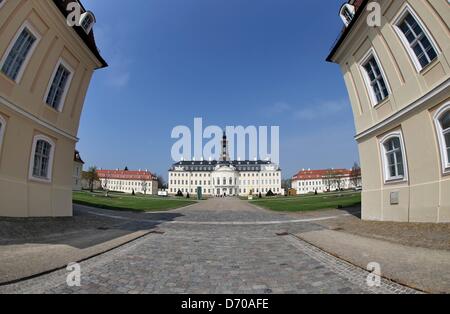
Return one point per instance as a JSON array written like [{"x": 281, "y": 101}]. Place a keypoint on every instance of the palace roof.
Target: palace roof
[
  {"x": 88, "y": 39},
  {"x": 359, "y": 9},
  {"x": 319, "y": 174},
  {"x": 77, "y": 157},
  {"x": 205, "y": 165},
  {"x": 125, "y": 175}
]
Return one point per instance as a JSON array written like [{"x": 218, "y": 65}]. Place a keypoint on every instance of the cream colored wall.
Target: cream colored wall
[
  {"x": 423, "y": 197},
  {"x": 20, "y": 196},
  {"x": 406, "y": 84},
  {"x": 22, "y": 103}
]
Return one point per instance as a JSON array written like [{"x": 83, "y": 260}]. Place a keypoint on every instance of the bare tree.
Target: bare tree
[
  {"x": 329, "y": 178},
  {"x": 105, "y": 185},
  {"x": 144, "y": 187},
  {"x": 286, "y": 184},
  {"x": 337, "y": 181},
  {"x": 161, "y": 182},
  {"x": 91, "y": 176},
  {"x": 355, "y": 175}
]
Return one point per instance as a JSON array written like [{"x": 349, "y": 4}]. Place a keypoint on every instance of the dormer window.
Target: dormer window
[
  {"x": 347, "y": 13},
  {"x": 87, "y": 21}
]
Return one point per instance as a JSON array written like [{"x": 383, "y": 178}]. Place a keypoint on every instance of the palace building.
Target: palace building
[
  {"x": 45, "y": 70},
  {"x": 142, "y": 182},
  {"x": 225, "y": 177},
  {"x": 398, "y": 79},
  {"x": 321, "y": 181},
  {"x": 78, "y": 164}
]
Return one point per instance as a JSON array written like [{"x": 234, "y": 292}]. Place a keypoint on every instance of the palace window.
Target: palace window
[
  {"x": 347, "y": 13},
  {"x": 87, "y": 21},
  {"x": 442, "y": 121},
  {"x": 2, "y": 130},
  {"x": 375, "y": 80},
  {"x": 418, "y": 42},
  {"x": 19, "y": 53},
  {"x": 42, "y": 158},
  {"x": 394, "y": 157},
  {"x": 60, "y": 82}
]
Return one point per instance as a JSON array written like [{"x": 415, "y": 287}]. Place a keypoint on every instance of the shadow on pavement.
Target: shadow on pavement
[
  {"x": 354, "y": 211},
  {"x": 34, "y": 246},
  {"x": 88, "y": 227}
]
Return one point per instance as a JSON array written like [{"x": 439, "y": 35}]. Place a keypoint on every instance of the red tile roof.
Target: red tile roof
[
  {"x": 357, "y": 4},
  {"x": 319, "y": 174},
  {"x": 125, "y": 175}
]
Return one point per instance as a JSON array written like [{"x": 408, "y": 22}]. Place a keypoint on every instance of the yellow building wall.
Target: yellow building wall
[
  {"x": 425, "y": 196},
  {"x": 22, "y": 104}
]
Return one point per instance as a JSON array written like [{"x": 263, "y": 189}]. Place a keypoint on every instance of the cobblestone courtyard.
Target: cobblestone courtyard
[{"x": 216, "y": 246}]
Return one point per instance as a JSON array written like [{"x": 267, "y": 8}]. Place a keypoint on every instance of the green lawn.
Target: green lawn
[
  {"x": 310, "y": 203},
  {"x": 127, "y": 202}
]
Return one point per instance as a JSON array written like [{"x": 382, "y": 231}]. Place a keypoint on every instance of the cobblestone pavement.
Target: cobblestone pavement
[{"x": 191, "y": 254}]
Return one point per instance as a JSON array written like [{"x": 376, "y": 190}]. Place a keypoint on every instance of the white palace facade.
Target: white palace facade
[
  {"x": 225, "y": 177},
  {"x": 125, "y": 181}
]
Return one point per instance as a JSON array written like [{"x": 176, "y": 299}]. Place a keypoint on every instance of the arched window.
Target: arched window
[
  {"x": 87, "y": 21},
  {"x": 2, "y": 130},
  {"x": 394, "y": 157},
  {"x": 347, "y": 13},
  {"x": 442, "y": 121},
  {"x": 42, "y": 158}
]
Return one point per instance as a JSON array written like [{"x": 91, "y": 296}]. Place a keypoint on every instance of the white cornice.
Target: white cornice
[
  {"x": 39, "y": 121},
  {"x": 409, "y": 108}
]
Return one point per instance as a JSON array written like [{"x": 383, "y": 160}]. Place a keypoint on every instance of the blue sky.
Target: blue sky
[{"x": 231, "y": 62}]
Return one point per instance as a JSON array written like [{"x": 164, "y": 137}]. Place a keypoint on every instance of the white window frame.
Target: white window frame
[
  {"x": 351, "y": 10},
  {"x": 83, "y": 17},
  {"x": 399, "y": 18},
  {"x": 373, "y": 98},
  {"x": 36, "y": 34},
  {"x": 387, "y": 178},
  {"x": 441, "y": 139},
  {"x": 67, "y": 87},
  {"x": 49, "y": 177},
  {"x": 2, "y": 130}
]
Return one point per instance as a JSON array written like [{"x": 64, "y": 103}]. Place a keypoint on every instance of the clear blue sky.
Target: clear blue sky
[{"x": 232, "y": 62}]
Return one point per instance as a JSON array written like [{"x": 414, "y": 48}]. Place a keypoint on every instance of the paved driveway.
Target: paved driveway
[{"x": 216, "y": 246}]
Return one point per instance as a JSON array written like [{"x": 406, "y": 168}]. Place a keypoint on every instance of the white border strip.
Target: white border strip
[
  {"x": 32, "y": 117},
  {"x": 414, "y": 105},
  {"x": 221, "y": 223}
]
